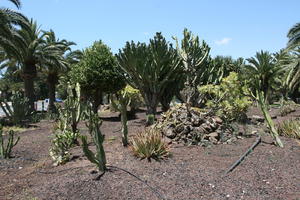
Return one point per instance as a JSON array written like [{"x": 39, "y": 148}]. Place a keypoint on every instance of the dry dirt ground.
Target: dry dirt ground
[{"x": 191, "y": 172}]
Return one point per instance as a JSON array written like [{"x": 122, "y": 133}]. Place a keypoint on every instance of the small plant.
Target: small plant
[
  {"x": 149, "y": 144},
  {"x": 5, "y": 149},
  {"x": 18, "y": 110},
  {"x": 287, "y": 107},
  {"x": 290, "y": 128},
  {"x": 61, "y": 145},
  {"x": 97, "y": 158}
]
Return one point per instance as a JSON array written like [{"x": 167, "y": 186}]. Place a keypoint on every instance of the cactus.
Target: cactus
[
  {"x": 61, "y": 144},
  {"x": 97, "y": 158},
  {"x": 124, "y": 98},
  {"x": 5, "y": 149},
  {"x": 73, "y": 107},
  {"x": 264, "y": 108},
  {"x": 193, "y": 56}
]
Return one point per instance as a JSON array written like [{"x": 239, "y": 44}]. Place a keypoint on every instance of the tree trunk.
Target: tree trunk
[
  {"x": 29, "y": 92},
  {"x": 29, "y": 74},
  {"x": 97, "y": 100},
  {"x": 52, "y": 80}
]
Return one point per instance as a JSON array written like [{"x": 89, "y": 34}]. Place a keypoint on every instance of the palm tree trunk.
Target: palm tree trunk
[
  {"x": 52, "y": 80},
  {"x": 97, "y": 100},
  {"x": 29, "y": 74},
  {"x": 29, "y": 91}
]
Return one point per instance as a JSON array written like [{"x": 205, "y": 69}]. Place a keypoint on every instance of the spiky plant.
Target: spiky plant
[
  {"x": 6, "y": 147},
  {"x": 290, "y": 128},
  {"x": 149, "y": 144}
]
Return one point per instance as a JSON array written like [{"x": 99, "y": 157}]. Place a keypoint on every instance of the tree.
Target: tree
[
  {"x": 149, "y": 68},
  {"x": 263, "y": 71},
  {"x": 10, "y": 22},
  {"x": 55, "y": 66},
  {"x": 294, "y": 35},
  {"x": 32, "y": 51},
  {"x": 97, "y": 73},
  {"x": 194, "y": 56}
]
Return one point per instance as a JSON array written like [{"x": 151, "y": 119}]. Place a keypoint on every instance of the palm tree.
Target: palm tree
[
  {"x": 263, "y": 72},
  {"x": 32, "y": 51},
  {"x": 10, "y": 22},
  {"x": 294, "y": 35},
  {"x": 56, "y": 65}
]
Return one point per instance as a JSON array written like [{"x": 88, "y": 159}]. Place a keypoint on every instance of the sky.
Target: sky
[{"x": 237, "y": 28}]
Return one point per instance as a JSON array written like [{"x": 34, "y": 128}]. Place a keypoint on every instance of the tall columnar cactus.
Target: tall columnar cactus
[
  {"x": 193, "y": 55},
  {"x": 97, "y": 158},
  {"x": 73, "y": 106},
  {"x": 5, "y": 149},
  {"x": 124, "y": 98},
  {"x": 264, "y": 108}
]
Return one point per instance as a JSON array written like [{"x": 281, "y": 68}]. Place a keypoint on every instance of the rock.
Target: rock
[
  {"x": 257, "y": 118},
  {"x": 213, "y": 134},
  {"x": 170, "y": 134},
  {"x": 218, "y": 120}
]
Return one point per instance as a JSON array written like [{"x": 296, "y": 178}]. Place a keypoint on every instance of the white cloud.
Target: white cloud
[
  {"x": 223, "y": 41},
  {"x": 146, "y": 33}
]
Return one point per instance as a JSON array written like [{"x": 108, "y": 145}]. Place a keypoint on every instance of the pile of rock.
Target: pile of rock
[{"x": 198, "y": 129}]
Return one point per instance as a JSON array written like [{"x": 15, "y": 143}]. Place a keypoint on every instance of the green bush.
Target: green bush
[
  {"x": 230, "y": 100},
  {"x": 149, "y": 144},
  {"x": 287, "y": 107},
  {"x": 18, "y": 112},
  {"x": 290, "y": 128}
]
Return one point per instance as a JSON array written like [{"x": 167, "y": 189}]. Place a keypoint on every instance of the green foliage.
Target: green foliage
[
  {"x": 149, "y": 68},
  {"x": 5, "y": 149},
  {"x": 149, "y": 144},
  {"x": 263, "y": 72},
  {"x": 97, "y": 158},
  {"x": 230, "y": 99},
  {"x": 97, "y": 73},
  {"x": 18, "y": 111},
  {"x": 62, "y": 141},
  {"x": 290, "y": 128}
]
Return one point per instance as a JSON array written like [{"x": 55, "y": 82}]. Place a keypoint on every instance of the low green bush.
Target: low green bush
[
  {"x": 290, "y": 128},
  {"x": 149, "y": 144},
  {"x": 229, "y": 100}
]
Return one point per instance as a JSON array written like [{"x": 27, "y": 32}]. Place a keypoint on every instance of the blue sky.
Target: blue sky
[{"x": 237, "y": 28}]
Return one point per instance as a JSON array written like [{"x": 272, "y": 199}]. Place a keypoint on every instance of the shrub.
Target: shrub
[
  {"x": 287, "y": 107},
  {"x": 149, "y": 144},
  {"x": 290, "y": 128},
  {"x": 61, "y": 144},
  {"x": 18, "y": 111},
  {"x": 229, "y": 99}
]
